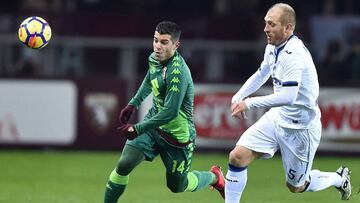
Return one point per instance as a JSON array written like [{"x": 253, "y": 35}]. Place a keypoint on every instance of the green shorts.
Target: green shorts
[{"x": 176, "y": 159}]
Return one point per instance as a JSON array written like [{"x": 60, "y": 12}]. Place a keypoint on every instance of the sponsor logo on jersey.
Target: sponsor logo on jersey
[
  {"x": 176, "y": 64},
  {"x": 174, "y": 88},
  {"x": 276, "y": 81},
  {"x": 175, "y": 80},
  {"x": 176, "y": 71}
]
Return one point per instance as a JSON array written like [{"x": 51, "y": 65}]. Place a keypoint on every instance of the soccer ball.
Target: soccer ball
[{"x": 34, "y": 32}]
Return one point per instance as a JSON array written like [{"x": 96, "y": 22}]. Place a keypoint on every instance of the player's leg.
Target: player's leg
[
  {"x": 219, "y": 185},
  {"x": 345, "y": 186},
  {"x": 319, "y": 180},
  {"x": 134, "y": 152},
  {"x": 177, "y": 161},
  {"x": 236, "y": 177},
  {"x": 119, "y": 177},
  {"x": 258, "y": 141},
  {"x": 298, "y": 149}
]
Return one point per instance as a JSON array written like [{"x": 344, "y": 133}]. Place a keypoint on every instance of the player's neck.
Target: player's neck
[
  {"x": 281, "y": 44},
  {"x": 168, "y": 59}
]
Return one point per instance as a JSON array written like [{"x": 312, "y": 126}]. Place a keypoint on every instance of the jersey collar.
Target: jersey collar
[
  {"x": 170, "y": 59},
  {"x": 280, "y": 47}
]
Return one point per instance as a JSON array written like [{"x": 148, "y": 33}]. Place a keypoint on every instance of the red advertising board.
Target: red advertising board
[
  {"x": 216, "y": 128},
  {"x": 213, "y": 119}
]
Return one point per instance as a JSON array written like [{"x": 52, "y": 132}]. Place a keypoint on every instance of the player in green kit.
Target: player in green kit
[{"x": 168, "y": 129}]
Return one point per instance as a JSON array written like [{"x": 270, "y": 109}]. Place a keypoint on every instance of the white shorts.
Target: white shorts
[{"x": 297, "y": 146}]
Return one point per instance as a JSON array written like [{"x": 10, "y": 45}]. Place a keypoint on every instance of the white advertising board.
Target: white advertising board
[{"x": 38, "y": 112}]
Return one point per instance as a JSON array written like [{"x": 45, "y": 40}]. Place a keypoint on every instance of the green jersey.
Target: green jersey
[{"x": 173, "y": 99}]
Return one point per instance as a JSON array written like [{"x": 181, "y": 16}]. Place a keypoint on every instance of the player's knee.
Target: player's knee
[
  {"x": 234, "y": 157},
  {"x": 294, "y": 189},
  {"x": 175, "y": 188},
  {"x": 125, "y": 166},
  {"x": 176, "y": 182},
  {"x": 122, "y": 169},
  {"x": 240, "y": 157}
]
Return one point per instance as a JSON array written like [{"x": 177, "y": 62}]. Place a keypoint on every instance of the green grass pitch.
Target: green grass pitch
[{"x": 80, "y": 177}]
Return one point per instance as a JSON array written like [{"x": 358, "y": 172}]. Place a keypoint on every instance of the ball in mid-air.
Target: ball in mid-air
[{"x": 34, "y": 32}]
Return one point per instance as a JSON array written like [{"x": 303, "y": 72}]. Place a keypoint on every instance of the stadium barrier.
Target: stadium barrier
[
  {"x": 216, "y": 128},
  {"x": 76, "y": 113},
  {"x": 82, "y": 113}
]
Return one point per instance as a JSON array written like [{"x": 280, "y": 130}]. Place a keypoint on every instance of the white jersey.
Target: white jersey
[{"x": 296, "y": 86}]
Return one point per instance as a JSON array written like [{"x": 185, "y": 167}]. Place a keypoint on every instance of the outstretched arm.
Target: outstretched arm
[
  {"x": 177, "y": 86},
  {"x": 143, "y": 91},
  {"x": 253, "y": 83}
]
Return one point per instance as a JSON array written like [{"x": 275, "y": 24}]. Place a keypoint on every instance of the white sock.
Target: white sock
[
  {"x": 235, "y": 184},
  {"x": 322, "y": 180}
]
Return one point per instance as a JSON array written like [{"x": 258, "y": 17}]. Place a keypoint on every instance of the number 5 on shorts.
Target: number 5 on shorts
[{"x": 292, "y": 175}]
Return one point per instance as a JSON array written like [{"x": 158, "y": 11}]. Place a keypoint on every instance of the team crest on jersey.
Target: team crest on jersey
[{"x": 152, "y": 68}]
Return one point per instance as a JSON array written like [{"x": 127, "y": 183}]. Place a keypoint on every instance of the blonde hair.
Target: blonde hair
[{"x": 288, "y": 14}]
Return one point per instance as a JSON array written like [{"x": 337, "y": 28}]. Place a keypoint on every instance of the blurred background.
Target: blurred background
[
  {"x": 223, "y": 39},
  {"x": 64, "y": 99},
  {"x": 69, "y": 93}
]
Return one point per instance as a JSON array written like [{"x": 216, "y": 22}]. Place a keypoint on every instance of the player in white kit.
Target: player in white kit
[{"x": 292, "y": 125}]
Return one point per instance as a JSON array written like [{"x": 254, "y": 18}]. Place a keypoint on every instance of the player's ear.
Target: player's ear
[
  {"x": 177, "y": 45},
  {"x": 290, "y": 27}
]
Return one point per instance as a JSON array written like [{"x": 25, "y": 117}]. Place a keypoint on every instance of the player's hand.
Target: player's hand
[
  {"x": 127, "y": 131},
  {"x": 233, "y": 106},
  {"x": 238, "y": 110},
  {"x": 125, "y": 113}
]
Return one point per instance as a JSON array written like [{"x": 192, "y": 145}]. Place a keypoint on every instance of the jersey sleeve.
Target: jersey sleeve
[
  {"x": 177, "y": 85},
  {"x": 289, "y": 87},
  {"x": 293, "y": 66},
  {"x": 143, "y": 91}
]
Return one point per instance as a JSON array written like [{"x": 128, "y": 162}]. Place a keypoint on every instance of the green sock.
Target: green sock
[
  {"x": 113, "y": 191},
  {"x": 115, "y": 187},
  {"x": 197, "y": 180}
]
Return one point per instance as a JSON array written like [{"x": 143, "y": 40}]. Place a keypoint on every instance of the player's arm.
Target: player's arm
[
  {"x": 255, "y": 81},
  {"x": 289, "y": 90},
  {"x": 176, "y": 89},
  {"x": 143, "y": 91}
]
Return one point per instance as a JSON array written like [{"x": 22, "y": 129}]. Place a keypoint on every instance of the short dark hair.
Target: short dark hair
[{"x": 170, "y": 28}]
